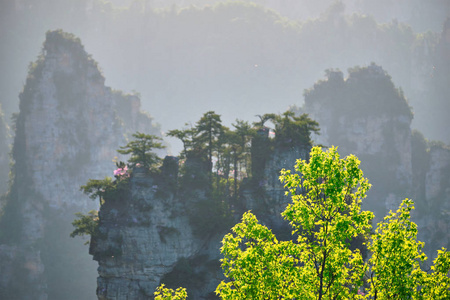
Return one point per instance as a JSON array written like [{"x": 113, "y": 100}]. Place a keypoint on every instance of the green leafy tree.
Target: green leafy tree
[
  {"x": 325, "y": 215},
  {"x": 86, "y": 224},
  {"x": 141, "y": 150},
  {"x": 396, "y": 258},
  {"x": 98, "y": 188},
  {"x": 319, "y": 263},
  {"x": 169, "y": 294},
  {"x": 437, "y": 284}
]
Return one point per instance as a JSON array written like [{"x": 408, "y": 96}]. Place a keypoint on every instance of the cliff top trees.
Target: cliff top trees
[
  {"x": 292, "y": 130},
  {"x": 242, "y": 150},
  {"x": 185, "y": 136},
  {"x": 208, "y": 133},
  {"x": 141, "y": 150},
  {"x": 109, "y": 189}
]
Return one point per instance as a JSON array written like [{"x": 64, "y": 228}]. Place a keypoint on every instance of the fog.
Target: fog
[{"x": 237, "y": 58}]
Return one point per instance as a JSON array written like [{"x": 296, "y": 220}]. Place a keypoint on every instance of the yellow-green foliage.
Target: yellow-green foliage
[
  {"x": 169, "y": 294},
  {"x": 326, "y": 215}
]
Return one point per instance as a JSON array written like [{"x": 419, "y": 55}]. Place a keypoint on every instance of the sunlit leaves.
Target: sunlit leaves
[
  {"x": 169, "y": 294},
  {"x": 325, "y": 215},
  {"x": 396, "y": 258}
]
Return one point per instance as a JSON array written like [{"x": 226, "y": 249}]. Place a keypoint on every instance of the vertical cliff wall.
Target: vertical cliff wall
[
  {"x": 433, "y": 217},
  {"x": 168, "y": 229},
  {"x": 67, "y": 131},
  {"x": 150, "y": 234},
  {"x": 140, "y": 240},
  {"x": 366, "y": 115},
  {"x": 146, "y": 238},
  {"x": 4, "y": 154}
]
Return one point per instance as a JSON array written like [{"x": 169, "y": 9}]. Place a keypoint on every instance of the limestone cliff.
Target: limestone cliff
[
  {"x": 4, "y": 155},
  {"x": 67, "y": 131},
  {"x": 266, "y": 197},
  {"x": 366, "y": 115},
  {"x": 433, "y": 218},
  {"x": 167, "y": 228},
  {"x": 150, "y": 235}
]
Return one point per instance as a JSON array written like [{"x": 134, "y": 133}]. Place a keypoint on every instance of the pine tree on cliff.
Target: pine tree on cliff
[
  {"x": 208, "y": 130},
  {"x": 141, "y": 150}
]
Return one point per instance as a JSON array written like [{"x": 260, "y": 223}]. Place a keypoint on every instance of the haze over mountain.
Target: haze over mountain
[
  {"x": 185, "y": 60},
  {"x": 178, "y": 59}
]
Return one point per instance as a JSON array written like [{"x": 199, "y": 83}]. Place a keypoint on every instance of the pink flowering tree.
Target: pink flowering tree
[{"x": 122, "y": 171}]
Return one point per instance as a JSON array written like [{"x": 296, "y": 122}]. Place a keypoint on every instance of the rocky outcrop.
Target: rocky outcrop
[
  {"x": 434, "y": 224},
  {"x": 151, "y": 236},
  {"x": 266, "y": 198},
  {"x": 366, "y": 115},
  {"x": 165, "y": 232},
  {"x": 67, "y": 131}
]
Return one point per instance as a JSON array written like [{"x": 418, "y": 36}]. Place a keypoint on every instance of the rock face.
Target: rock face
[
  {"x": 159, "y": 231},
  {"x": 140, "y": 240},
  {"x": 366, "y": 115},
  {"x": 434, "y": 224},
  {"x": 4, "y": 154},
  {"x": 67, "y": 131},
  {"x": 267, "y": 201},
  {"x": 148, "y": 236}
]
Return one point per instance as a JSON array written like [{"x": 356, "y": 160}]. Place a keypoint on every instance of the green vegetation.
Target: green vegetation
[
  {"x": 142, "y": 155},
  {"x": 218, "y": 159},
  {"x": 108, "y": 189},
  {"x": 326, "y": 216},
  {"x": 86, "y": 225},
  {"x": 99, "y": 188},
  {"x": 141, "y": 150},
  {"x": 215, "y": 159},
  {"x": 214, "y": 150},
  {"x": 169, "y": 294},
  {"x": 396, "y": 258}
]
